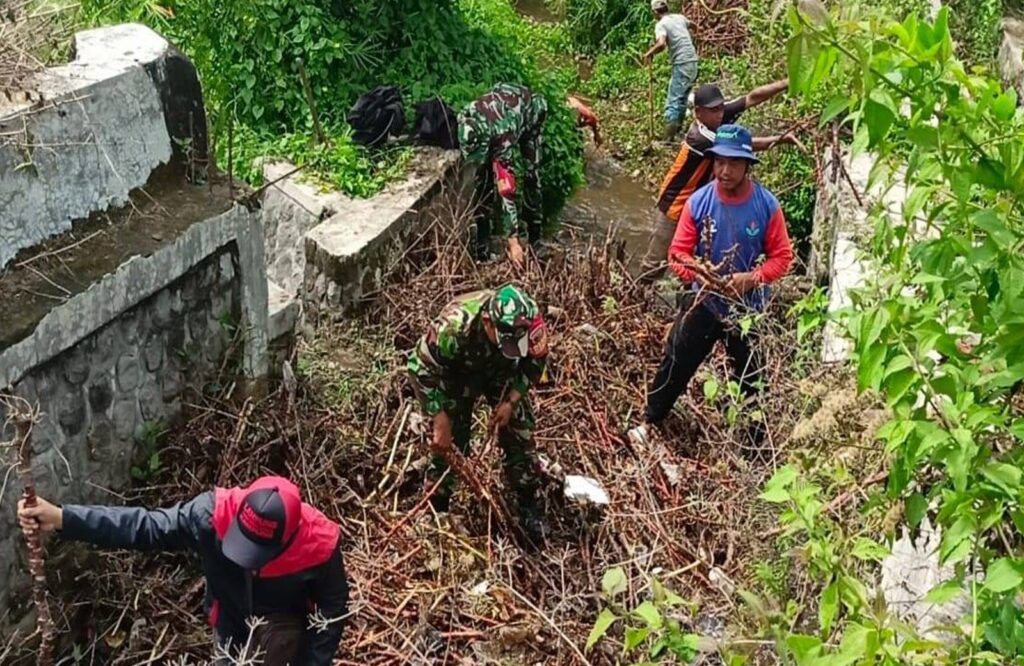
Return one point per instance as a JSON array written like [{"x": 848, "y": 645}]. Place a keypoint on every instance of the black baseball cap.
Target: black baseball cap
[
  {"x": 266, "y": 522},
  {"x": 708, "y": 96}
]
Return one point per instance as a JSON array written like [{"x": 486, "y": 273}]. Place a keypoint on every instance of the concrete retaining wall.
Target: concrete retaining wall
[
  {"x": 1011, "y": 55},
  {"x": 842, "y": 231},
  {"x": 98, "y": 133},
  {"x": 349, "y": 254},
  {"x": 127, "y": 275},
  {"x": 129, "y": 268},
  {"x": 103, "y": 399}
]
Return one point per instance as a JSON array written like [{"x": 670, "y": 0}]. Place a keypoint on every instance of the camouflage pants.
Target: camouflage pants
[
  {"x": 486, "y": 199},
  {"x": 515, "y": 440}
]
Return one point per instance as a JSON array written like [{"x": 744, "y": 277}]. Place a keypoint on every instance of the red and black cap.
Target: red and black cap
[{"x": 266, "y": 523}]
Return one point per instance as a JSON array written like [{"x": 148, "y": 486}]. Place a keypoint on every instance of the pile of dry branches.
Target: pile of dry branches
[{"x": 455, "y": 589}]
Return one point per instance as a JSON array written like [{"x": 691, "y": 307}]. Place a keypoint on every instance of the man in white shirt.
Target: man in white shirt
[{"x": 672, "y": 32}]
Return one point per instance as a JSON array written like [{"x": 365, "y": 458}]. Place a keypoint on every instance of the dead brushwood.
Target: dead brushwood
[{"x": 456, "y": 589}]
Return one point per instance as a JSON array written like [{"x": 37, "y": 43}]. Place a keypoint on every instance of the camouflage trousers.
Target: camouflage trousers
[{"x": 515, "y": 440}]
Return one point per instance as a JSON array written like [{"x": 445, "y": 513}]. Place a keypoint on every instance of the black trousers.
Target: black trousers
[{"x": 693, "y": 336}]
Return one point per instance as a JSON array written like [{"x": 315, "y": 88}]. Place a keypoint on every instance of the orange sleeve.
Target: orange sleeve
[
  {"x": 684, "y": 243},
  {"x": 777, "y": 248}
]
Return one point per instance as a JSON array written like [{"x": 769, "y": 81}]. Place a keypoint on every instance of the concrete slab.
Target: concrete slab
[
  {"x": 283, "y": 311},
  {"x": 1011, "y": 55}
]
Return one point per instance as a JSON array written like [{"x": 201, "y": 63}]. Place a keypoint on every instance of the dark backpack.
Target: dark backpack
[
  {"x": 436, "y": 124},
  {"x": 377, "y": 115}
]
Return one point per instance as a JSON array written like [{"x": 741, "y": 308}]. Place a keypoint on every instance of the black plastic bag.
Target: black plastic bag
[
  {"x": 436, "y": 124},
  {"x": 377, "y": 115}
]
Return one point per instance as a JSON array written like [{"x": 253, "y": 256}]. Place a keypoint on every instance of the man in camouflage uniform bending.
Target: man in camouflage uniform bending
[
  {"x": 492, "y": 344},
  {"x": 489, "y": 129}
]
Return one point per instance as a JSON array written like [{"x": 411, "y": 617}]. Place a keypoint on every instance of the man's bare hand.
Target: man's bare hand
[
  {"x": 516, "y": 253},
  {"x": 43, "y": 516},
  {"x": 741, "y": 283},
  {"x": 442, "y": 441},
  {"x": 792, "y": 140},
  {"x": 502, "y": 415}
]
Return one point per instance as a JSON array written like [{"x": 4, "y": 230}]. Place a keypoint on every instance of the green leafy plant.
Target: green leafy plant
[
  {"x": 148, "y": 451},
  {"x": 937, "y": 331},
  {"x": 650, "y": 631},
  {"x": 248, "y": 53}
]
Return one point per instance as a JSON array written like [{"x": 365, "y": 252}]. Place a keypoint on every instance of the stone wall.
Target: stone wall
[
  {"x": 133, "y": 268},
  {"x": 104, "y": 399},
  {"x": 1011, "y": 55},
  {"x": 350, "y": 253},
  {"x": 842, "y": 231}
]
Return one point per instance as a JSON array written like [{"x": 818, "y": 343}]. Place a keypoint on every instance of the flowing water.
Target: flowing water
[{"x": 610, "y": 199}]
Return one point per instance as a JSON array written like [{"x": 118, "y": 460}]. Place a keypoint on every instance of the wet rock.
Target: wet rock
[
  {"x": 101, "y": 394},
  {"x": 72, "y": 413}
]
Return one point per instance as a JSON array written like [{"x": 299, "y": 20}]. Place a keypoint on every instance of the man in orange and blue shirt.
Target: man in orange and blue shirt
[
  {"x": 691, "y": 169},
  {"x": 730, "y": 223}
]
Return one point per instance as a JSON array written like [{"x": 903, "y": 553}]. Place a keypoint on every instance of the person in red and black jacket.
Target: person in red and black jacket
[
  {"x": 264, "y": 554},
  {"x": 737, "y": 225}
]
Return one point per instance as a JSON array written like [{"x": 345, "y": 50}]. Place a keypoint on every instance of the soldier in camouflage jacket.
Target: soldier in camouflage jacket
[
  {"x": 489, "y": 130},
  {"x": 491, "y": 344}
]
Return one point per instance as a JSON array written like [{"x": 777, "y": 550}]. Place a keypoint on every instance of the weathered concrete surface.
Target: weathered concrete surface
[
  {"x": 910, "y": 572},
  {"x": 349, "y": 254},
  {"x": 99, "y": 132},
  {"x": 290, "y": 209},
  {"x": 142, "y": 276},
  {"x": 283, "y": 311},
  {"x": 103, "y": 399},
  {"x": 841, "y": 228},
  {"x": 1011, "y": 55}
]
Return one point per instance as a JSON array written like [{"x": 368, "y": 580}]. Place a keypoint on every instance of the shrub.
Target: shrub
[{"x": 248, "y": 53}]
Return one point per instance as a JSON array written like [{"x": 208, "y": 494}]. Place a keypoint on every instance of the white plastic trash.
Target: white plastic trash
[{"x": 585, "y": 489}]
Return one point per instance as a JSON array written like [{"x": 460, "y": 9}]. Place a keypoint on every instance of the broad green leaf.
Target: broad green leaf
[
  {"x": 613, "y": 582},
  {"x": 803, "y": 647},
  {"x": 994, "y": 226},
  {"x": 605, "y": 620},
  {"x": 649, "y": 614},
  {"x": 871, "y": 367},
  {"x": 944, "y": 592},
  {"x": 868, "y": 550},
  {"x": 710, "y": 389},
  {"x": 1005, "y": 105},
  {"x": 828, "y": 608},
  {"x": 775, "y": 490},
  {"x": 634, "y": 637},
  {"x": 897, "y": 386},
  {"x": 957, "y": 540},
  {"x": 915, "y": 508},
  {"x": 879, "y": 118},
  {"x": 1007, "y": 477},
  {"x": 1004, "y": 574},
  {"x": 835, "y": 107},
  {"x": 858, "y": 645}
]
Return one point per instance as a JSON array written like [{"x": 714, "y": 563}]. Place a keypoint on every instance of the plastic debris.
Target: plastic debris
[{"x": 585, "y": 489}]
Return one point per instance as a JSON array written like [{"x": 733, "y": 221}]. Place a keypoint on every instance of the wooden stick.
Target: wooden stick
[
  {"x": 22, "y": 416},
  {"x": 321, "y": 138},
  {"x": 650, "y": 101}
]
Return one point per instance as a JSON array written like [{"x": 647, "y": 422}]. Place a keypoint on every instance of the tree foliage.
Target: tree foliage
[
  {"x": 937, "y": 332},
  {"x": 248, "y": 53}
]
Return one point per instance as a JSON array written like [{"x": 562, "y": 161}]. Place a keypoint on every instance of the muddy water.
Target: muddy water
[
  {"x": 537, "y": 10},
  {"x": 611, "y": 201}
]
